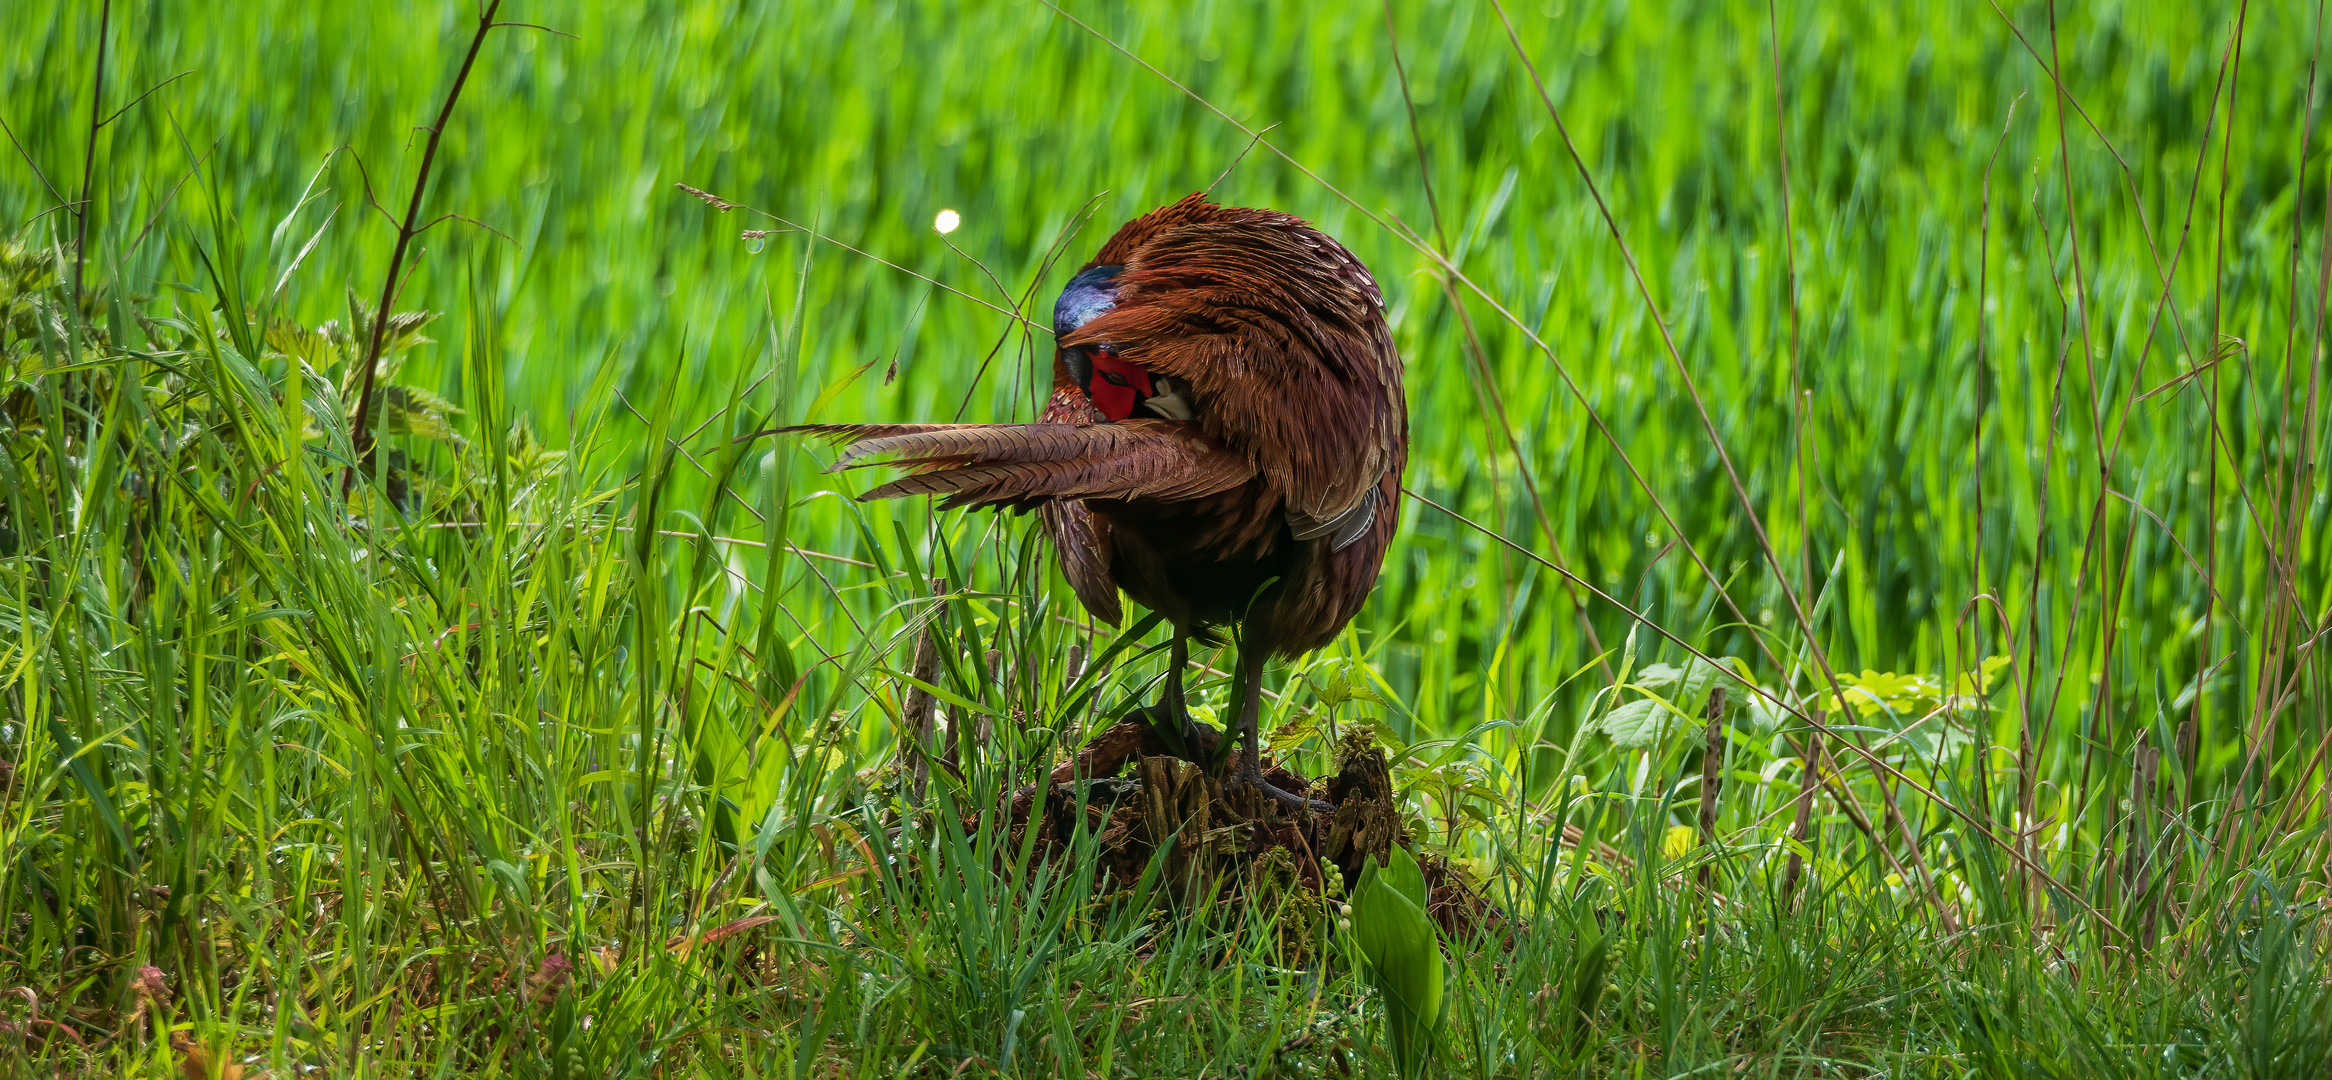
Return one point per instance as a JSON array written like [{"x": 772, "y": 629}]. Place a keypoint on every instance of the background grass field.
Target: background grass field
[{"x": 428, "y": 785}]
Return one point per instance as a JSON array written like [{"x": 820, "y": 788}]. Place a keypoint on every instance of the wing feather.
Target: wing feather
[
  {"x": 1343, "y": 529},
  {"x": 1086, "y": 548},
  {"x": 1280, "y": 335}
]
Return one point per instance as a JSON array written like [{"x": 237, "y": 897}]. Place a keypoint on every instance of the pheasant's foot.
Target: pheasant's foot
[
  {"x": 1183, "y": 736},
  {"x": 1253, "y": 777}
]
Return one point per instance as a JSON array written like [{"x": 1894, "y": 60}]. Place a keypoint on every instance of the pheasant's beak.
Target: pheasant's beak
[{"x": 1080, "y": 368}]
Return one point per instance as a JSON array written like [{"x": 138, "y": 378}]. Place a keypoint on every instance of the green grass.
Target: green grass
[{"x": 351, "y": 773}]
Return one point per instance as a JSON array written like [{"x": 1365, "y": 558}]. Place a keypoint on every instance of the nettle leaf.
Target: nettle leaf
[
  {"x": 1379, "y": 730},
  {"x": 405, "y": 331},
  {"x": 312, "y": 346},
  {"x": 1667, "y": 687},
  {"x": 1336, "y": 680},
  {"x": 402, "y": 333},
  {"x": 1660, "y": 677},
  {"x": 1687, "y": 684},
  {"x": 1288, "y": 735},
  {"x": 399, "y": 337},
  {"x": 533, "y": 460},
  {"x": 410, "y": 410},
  {"x": 1638, "y": 723}
]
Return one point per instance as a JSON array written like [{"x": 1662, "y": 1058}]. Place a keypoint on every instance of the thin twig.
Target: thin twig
[
  {"x": 1712, "y": 774},
  {"x": 1789, "y": 256},
  {"x": 156, "y": 217},
  {"x": 30, "y": 163},
  {"x": 1249, "y": 148},
  {"x": 117, "y": 113},
  {"x": 2234, "y": 825},
  {"x": 535, "y": 26},
  {"x": 89, "y": 160},
  {"x": 1983, "y": 409},
  {"x": 360, "y": 433},
  {"x": 724, "y": 206},
  {"x": 1809, "y": 778},
  {"x": 464, "y": 219},
  {"x": 1488, "y": 385}
]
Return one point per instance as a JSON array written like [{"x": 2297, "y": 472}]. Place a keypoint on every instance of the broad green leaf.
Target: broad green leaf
[
  {"x": 1875, "y": 691},
  {"x": 1404, "y": 957},
  {"x": 1638, "y": 723},
  {"x": 1404, "y": 875}
]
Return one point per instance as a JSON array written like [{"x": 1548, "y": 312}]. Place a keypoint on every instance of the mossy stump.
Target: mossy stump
[{"x": 1217, "y": 836}]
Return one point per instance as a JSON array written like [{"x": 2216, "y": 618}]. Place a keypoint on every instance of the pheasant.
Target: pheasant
[{"x": 1224, "y": 443}]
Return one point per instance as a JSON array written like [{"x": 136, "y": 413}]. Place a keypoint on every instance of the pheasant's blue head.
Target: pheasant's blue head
[{"x": 1087, "y": 296}]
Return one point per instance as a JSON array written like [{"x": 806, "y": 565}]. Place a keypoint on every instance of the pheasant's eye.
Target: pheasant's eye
[{"x": 1118, "y": 385}]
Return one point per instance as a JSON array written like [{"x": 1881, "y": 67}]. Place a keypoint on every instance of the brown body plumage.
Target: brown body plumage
[{"x": 1224, "y": 440}]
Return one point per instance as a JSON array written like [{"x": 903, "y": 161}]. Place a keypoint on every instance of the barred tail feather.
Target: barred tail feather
[
  {"x": 1025, "y": 465},
  {"x": 970, "y": 442}
]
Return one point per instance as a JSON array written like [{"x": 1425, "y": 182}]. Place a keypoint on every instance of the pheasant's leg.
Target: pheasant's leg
[
  {"x": 1171, "y": 715},
  {"x": 1171, "y": 703},
  {"x": 1249, "y": 715}
]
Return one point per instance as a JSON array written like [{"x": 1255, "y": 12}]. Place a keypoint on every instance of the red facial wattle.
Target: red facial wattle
[{"x": 1118, "y": 385}]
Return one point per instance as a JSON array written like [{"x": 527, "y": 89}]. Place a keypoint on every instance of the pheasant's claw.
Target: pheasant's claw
[
  {"x": 1253, "y": 777},
  {"x": 1184, "y": 737}
]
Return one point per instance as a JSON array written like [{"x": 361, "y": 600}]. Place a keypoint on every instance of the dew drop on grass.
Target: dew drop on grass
[{"x": 754, "y": 244}]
